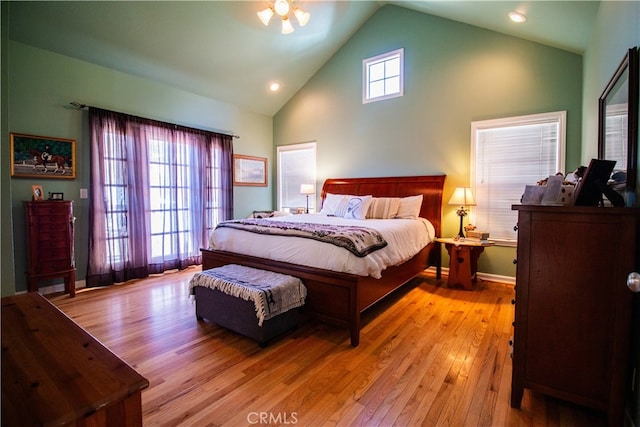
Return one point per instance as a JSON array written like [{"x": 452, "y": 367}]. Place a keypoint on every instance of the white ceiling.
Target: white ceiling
[{"x": 220, "y": 50}]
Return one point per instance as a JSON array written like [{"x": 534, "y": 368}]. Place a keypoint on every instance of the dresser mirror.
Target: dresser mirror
[{"x": 618, "y": 123}]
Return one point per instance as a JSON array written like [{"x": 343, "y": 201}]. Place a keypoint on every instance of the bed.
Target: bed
[{"x": 340, "y": 297}]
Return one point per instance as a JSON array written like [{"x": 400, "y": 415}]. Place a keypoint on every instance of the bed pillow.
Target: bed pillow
[
  {"x": 341, "y": 207},
  {"x": 383, "y": 207},
  {"x": 331, "y": 203},
  {"x": 357, "y": 207},
  {"x": 409, "y": 207}
]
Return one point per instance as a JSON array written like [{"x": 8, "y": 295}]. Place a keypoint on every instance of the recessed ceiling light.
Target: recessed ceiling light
[
  {"x": 517, "y": 17},
  {"x": 274, "y": 87}
]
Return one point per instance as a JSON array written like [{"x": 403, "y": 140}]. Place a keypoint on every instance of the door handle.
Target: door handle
[{"x": 633, "y": 282}]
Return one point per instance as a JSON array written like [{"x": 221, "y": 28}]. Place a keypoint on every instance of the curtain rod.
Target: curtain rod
[{"x": 79, "y": 106}]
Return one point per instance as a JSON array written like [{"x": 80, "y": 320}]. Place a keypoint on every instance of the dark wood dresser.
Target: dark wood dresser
[
  {"x": 50, "y": 243},
  {"x": 56, "y": 373},
  {"x": 573, "y": 309}
]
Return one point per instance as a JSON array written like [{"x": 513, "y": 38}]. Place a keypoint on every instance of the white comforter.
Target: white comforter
[{"x": 405, "y": 238}]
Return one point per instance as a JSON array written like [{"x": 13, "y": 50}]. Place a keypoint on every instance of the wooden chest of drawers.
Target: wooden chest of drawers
[
  {"x": 573, "y": 310},
  {"x": 50, "y": 243}
]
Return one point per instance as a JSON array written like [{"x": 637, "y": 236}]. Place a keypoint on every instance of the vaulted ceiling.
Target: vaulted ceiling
[{"x": 220, "y": 50}]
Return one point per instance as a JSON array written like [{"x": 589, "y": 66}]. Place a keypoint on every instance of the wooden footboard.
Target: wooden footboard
[
  {"x": 337, "y": 298},
  {"x": 331, "y": 296}
]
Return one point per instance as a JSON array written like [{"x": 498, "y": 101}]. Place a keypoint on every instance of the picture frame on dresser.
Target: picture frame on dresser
[
  {"x": 37, "y": 192},
  {"x": 34, "y": 156}
]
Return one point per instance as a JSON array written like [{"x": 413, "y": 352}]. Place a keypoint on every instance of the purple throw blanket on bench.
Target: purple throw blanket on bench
[{"x": 360, "y": 241}]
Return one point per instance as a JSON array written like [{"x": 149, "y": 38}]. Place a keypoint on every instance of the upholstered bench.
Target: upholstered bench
[{"x": 256, "y": 303}]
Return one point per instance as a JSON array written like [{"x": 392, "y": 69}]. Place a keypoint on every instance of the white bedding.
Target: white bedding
[{"x": 405, "y": 238}]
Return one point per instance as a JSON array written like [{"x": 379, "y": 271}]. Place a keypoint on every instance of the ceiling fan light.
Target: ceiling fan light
[
  {"x": 302, "y": 17},
  {"x": 287, "y": 28},
  {"x": 265, "y": 15},
  {"x": 281, "y": 7}
]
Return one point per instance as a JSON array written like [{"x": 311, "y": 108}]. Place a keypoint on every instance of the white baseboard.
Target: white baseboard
[
  {"x": 497, "y": 278},
  {"x": 484, "y": 276}
]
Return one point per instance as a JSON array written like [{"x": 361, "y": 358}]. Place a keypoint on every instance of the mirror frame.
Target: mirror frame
[{"x": 628, "y": 69}]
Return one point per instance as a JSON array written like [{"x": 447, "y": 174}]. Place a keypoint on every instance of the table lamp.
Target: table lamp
[
  {"x": 462, "y": 197},
  {"x": 307, "y": 189}
]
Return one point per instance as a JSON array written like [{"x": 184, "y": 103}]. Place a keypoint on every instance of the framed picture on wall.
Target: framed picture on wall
[
  {"x": 35, "y": 156},
  {"x": 249, "y": 170}
]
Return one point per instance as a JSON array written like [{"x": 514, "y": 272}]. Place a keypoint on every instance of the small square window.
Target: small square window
[
  {"x": 382, "y": 76},
  {"x": 376, "y": 72}
]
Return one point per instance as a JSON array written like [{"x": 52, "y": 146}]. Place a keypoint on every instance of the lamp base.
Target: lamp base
[{"x": 461, "y": 231}]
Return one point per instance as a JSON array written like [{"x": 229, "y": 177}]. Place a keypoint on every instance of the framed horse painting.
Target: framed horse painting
[{"x": 42, "y": 157}]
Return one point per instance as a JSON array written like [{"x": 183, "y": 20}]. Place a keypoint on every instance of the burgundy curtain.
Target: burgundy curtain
[{"x": 157, "y": 191}]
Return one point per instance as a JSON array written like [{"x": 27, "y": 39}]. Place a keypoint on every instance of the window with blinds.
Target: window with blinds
[
  {"x": 506, "y": 155},
  {"x": 296, "y": 166}
]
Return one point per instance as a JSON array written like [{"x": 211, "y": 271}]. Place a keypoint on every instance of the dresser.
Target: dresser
[
  {"x": 573, "y": 310},
  {"x": 50, "y": 243}
]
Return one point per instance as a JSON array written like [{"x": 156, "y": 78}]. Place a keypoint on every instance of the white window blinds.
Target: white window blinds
[
  {"x": 506, "y": 155},
  {"x": 296, "y": 166}
]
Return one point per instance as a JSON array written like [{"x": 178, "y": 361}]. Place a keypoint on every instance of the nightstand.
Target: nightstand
[{"x": 463, "y": 260}]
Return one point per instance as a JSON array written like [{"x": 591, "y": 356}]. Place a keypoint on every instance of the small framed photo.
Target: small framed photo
[
  {"x": 42, "y": 157},
  {"x": 37, "y": 192},
  {"x": 249, "y": 171},
  {"x": 56, "y": 196}
]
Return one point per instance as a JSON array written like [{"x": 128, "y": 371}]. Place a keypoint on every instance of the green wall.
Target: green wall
[
  {"x": 454, "y": 74},
  {"x": 41, "y": 85}
]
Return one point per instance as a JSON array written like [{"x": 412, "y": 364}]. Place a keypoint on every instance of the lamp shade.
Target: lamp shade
[
  {"x": 265, "y": 15},
  {"x": 302, "y": 17},
  {"x": 287, "y": 28},
  {"x": 307, "y": 189},
  {"x": 462, "y": 196}
]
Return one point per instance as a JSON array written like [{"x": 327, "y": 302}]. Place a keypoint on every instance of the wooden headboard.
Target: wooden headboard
[{"x": 431, "y": 187}]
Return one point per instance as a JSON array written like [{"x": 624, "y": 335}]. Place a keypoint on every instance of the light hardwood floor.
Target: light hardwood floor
[{"x": 429, "y": 356}]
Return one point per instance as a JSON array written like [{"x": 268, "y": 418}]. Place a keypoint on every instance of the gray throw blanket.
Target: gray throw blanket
[
  {"x": 272, "y": 293},
  {"x": 360, "y": 241}
]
